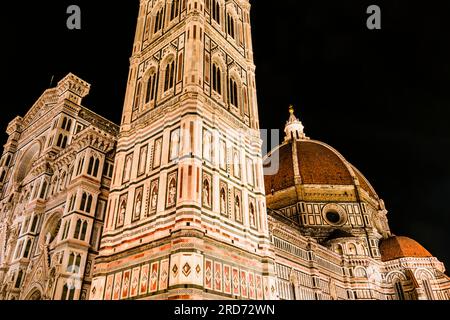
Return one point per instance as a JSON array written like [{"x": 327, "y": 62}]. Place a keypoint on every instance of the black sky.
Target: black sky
[{"x": 381, "y": 98}]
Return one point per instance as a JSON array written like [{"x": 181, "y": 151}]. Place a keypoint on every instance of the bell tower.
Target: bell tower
[{"x": 186, "y": 216}]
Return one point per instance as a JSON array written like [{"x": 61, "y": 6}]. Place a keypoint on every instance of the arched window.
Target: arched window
[
  {"x": 64, "y": 123},
  {"x": 27, "y": 249},
  {"x": 175, "y": 9},
  {"x": 34, "y": 224},
  {"x": 66, "y": 230},
  {"x": 88, "y": 204},
  {"x": 217, "y": 79},
  {"x": 83, "y": 201},
  {"x": 233, "y": 93},
  {"x": 64, "y": 292},
  {"x": 215, "y": 7},
  {"x": 59, "y": 142},
  {"x": 151, "y": 88},
  {"x": 69, "y": 125},
  {"x": 399, "y": 291},
  {"x": 137, "y": 98},
  {"x": 352, "y": 249},
  {"x": 83, "y": 231},
  {"x": 2, "y": 176},
  {"x": 76, "y": 235},
  {"x": 158, "y": 21},
  {"x": 230, "y": 25},
  {"x": 64, "y": 142},
  {"x": 77, "y": 263},
  {"x": 169, "y": 76},
  {"x": 70, "y": 265},
  {"x": 96, "y": 167},
  {"x": 43, "y": 190},
  {"x": 80, "y": 165},
  {"x": 19, "y": 279},
  {"x": 90, "y": 165},
  {"x": 237, "y": 209}
]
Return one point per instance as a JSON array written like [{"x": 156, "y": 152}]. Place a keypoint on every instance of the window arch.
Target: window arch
[
  {"x": 150, "y": 92},
  {"x": 34, "y": 224},
  {"x": 217, "y": 79},
  {"x": 27, "y": 249},
  {"x": 76, "y": 234},
  {"x": 169, "y": 76},
  {"x": 230, "y": 26},
  {"x": 43, "y": 190},
  {"x": 159, "y": 19},
  {"x": 19, "y": 279},
  {"x": 64, "y": 123},
  {"x": 137, "y": 97},
  {"x": 215, "y": 8},
  {"x": 93, "y": 166},
  {"x": 233, "y": 96},
  {"x": 175, "y": 9},
  {"x": 84, "y": 231}
]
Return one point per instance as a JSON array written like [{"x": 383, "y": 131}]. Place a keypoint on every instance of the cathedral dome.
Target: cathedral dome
[
  {"x": 308, "y": 162},
  {"x": 402, "y": 247}
]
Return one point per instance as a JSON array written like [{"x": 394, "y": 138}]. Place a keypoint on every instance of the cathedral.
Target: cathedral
[{"x": 178, "y": 202}]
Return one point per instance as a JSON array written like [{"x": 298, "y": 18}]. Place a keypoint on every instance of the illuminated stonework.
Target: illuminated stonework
[{"x": 174, "y": 204}]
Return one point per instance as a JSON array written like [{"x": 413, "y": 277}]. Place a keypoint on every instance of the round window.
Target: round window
[{"x": 333, "y": 217}]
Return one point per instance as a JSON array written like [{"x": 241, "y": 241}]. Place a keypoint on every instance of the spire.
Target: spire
[{"x": 294, "y": 127}]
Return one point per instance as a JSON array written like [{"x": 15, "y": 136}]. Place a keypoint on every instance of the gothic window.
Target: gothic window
[
  {"x": 169, "y": 76},
  {"x": 86, "y": 202},
  {"x": 233, "y": 93},
  {"x": 34, "y": 224},
  {"x": 215, "y": 8},
  {"x": 230, "y": 26},
  {"x": 175, "y": 9},
  {"x": 2, "y": 176},
  {"x": 84, "y": 231},
  {"x": 43, "y": 190},
  {"x": 64, "y": 292},
  {"x": 400, "y": 294},
  {"x": 93, "y": 166},
  {"x": 70, "y": 264},
  {"x": 80, "y": 165},
  {"x": 19, "y": 279},
  {"x": 8, "y": 160},
  {"x": 137, "y": 97},
  {"x": 150, "y": 92},
  {"x": 64, "y": 123},
  {"x": 19, "y": 250},
  {"x": 159, "y": 19},
  {"x": 76, "y": 235},
  {"x": 27, "y": 249},
  {"x": 217, "y": 79}
]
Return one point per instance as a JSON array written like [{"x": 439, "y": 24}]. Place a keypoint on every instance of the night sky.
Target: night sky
[{"x": 382, "y": 98}]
